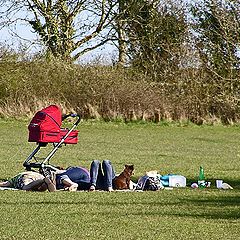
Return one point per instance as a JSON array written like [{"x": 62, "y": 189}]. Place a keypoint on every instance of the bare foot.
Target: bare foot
[{"x": 73, "y": 187}]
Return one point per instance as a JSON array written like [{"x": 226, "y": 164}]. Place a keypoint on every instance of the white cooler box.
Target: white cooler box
[{"x": 173, "y": 180}]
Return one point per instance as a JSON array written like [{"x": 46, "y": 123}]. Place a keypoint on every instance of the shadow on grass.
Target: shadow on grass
[
  {"x": 224, "y": 207},
  {"x": 217, "y": 201},
  {"x": 208, "y": 207},
  {"x": 202, "y": 139}
]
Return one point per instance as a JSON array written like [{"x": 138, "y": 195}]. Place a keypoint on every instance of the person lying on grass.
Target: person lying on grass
[
  {"x": 71, "y": 179},
  {"x": 29, "y": 181},
  {"x": 103, "y": 176}
]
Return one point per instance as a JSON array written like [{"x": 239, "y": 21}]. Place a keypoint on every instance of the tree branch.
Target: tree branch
[
  {"x": 101, "y": 25},
  {"x": 85, "y": 50}
]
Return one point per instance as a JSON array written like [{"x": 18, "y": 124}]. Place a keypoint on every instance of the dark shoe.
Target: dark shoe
[{"x": 92, "y": 188}]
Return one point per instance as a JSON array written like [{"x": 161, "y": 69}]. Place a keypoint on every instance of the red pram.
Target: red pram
[{"x": 44, "y": 128}]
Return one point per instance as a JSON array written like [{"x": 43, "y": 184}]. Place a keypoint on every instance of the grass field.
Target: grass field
[{"x": 167, "y": 214}]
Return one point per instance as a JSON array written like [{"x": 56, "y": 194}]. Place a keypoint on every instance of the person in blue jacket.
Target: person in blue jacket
[{"x": 73, "y": 179}]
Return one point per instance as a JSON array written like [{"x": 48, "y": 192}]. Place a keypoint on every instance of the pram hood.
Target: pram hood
[
  {"x": 50, "y": 119},
  {"x": 45, "y": 125},
  {"x": 53, "y": 112}
]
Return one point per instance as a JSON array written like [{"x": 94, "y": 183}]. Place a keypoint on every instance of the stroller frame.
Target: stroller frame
[{"x": 28, "y": 164}]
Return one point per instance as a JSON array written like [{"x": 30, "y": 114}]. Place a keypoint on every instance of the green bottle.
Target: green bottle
[{"x": 201, "y": 178}]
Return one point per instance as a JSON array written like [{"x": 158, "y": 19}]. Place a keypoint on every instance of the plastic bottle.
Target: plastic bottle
[{"x": 201, "y": 178}]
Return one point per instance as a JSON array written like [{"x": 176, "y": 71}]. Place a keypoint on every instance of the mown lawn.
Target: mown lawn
[{"x": 167, "y": 214}]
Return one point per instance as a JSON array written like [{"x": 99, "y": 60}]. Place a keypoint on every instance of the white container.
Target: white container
[
  {"x": 177, "y": 181},
  {"x": 219, "y": 183}
]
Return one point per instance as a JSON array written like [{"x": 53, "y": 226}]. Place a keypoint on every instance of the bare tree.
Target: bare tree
[
  {"x": 66, "y": 27},
  {"x": 217, "y": 28},
  {"x": 156, "y": 31},
  {"x": 121, "y": 25}
]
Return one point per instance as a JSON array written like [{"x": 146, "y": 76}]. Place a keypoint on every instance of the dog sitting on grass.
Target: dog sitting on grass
[{"x": 122, "y": 181}]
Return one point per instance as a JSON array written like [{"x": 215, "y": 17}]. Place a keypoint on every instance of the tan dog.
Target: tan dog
[{"x": 122, "y": 181}]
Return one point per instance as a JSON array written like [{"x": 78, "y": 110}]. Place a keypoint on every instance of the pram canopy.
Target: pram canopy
[{"x": 45, "y": 127}]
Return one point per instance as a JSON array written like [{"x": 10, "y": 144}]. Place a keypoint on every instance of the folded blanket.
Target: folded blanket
[{"x": 8, "y": 188}]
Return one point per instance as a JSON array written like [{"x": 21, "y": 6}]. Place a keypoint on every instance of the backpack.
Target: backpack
[{"x": 149, "y": 183}]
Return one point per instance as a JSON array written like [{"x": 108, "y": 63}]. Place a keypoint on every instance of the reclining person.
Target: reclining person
[
  {"x": 29, "y": 181},
  {"x": 102, "y": 175},
  {"x": 73, "y": 179}
]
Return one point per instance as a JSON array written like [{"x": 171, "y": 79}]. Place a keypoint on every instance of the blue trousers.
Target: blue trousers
[{"x": 102, "y": 175}]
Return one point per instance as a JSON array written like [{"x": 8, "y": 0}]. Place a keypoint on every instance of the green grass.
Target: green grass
[{"x": 167, "y": 214}]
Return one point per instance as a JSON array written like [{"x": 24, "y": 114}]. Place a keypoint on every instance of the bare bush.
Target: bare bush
[{"x": 112, "y": 93}]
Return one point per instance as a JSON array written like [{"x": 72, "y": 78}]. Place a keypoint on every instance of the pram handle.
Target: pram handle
[{"x": 72, "y": 115}]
